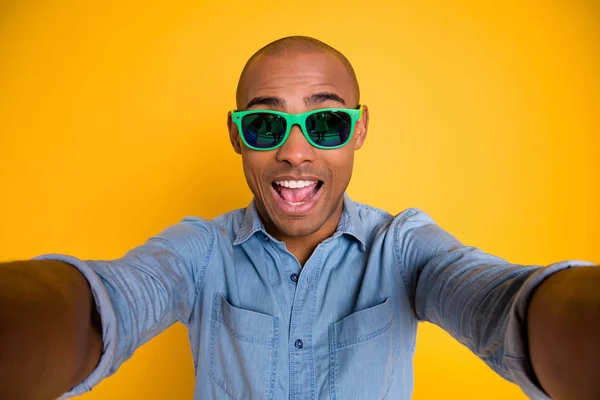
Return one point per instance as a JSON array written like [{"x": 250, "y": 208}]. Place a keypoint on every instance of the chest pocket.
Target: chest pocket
[
  {"x": 243, "y": 351},
  {"x": 362, "y": 354}
]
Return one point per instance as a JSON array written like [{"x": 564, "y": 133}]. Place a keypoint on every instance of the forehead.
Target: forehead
[{"x": 294, "y": 75}]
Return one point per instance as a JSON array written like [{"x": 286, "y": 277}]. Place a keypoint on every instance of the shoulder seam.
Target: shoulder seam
[
  {"x": 200, "y": 281},
  {"x": 371, "y": 208},
  {"x": 400, "y": 267}
]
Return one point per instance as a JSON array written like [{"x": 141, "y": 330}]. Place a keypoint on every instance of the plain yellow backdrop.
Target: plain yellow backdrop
[{"x": 484, "y": 114}]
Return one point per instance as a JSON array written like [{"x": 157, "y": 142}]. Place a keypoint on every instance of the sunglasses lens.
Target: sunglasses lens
[
  {"x": 263, "y": 130},
  {"x": 329, "y": 128}
]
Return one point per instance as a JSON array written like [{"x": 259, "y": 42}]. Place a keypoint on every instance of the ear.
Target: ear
[
  {"x": 234, "y": 135},
  {"x": 360, "y": 130}
]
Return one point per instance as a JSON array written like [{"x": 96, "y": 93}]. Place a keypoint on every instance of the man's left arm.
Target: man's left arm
[
  {"x": 483, "y": 302},
  {"x": 563, "y": 325}
]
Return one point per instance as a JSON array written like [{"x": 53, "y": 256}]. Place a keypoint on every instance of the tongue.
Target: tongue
[{"x": 297, "y": 195}]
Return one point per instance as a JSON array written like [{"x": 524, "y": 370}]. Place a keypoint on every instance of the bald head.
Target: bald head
[{"x": 289, "y": 46}]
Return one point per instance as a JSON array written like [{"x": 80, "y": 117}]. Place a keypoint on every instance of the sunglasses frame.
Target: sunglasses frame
[{"x": 296, "y": 119}]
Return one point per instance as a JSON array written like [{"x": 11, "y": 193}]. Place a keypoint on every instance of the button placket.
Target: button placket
[{"x": 302, "y": 375}]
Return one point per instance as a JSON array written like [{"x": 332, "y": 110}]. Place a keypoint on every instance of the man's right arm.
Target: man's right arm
[
  {"x": 51, "y": 340},
  {"x": 50, "y": 337}
]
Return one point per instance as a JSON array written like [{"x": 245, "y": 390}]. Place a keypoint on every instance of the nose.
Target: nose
[{"x": 296, "y": 150}]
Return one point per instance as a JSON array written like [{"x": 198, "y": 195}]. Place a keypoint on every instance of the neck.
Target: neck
[{"x": 302, "y": 247}]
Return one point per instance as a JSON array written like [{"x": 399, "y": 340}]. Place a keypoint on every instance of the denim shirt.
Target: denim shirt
[{"x": 342, "y": 327}]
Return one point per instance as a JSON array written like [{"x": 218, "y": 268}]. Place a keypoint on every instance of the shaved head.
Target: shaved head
[
  {"x": 293, "y": 76},
  {"x": 290, "y": 45}
]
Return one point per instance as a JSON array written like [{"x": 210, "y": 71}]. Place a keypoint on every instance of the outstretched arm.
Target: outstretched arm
[
  {"x": 483, "y": 302},
  {"x": 563, "y": 326},
  {"x": 48, "y": 341}
]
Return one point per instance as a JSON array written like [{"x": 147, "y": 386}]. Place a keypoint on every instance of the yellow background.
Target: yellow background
[{"x": 484, "y": 114}]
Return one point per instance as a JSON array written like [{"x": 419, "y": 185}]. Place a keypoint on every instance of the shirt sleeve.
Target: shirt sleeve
[
  {"x": 144, "y": 292},
  {"x": 478, "y": 298}
]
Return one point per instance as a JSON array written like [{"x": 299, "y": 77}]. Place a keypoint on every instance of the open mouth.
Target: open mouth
[{"x": 297, "y": 192}]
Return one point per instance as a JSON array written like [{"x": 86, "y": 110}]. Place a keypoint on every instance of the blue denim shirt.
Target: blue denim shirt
[{"x": 342, "y": 327}]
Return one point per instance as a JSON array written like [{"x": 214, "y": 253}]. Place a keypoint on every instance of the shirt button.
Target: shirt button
[
  {"x": 298, "y": 344},
  {"x": 266, "y": 238},
  {"x": 294, "y": 277}
]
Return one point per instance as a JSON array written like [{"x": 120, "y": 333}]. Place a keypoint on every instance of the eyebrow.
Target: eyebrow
[
  {"x": 266, "y": 101},
  {"x": 278, "y": 102},
  {"x": 322, "y": 97}
]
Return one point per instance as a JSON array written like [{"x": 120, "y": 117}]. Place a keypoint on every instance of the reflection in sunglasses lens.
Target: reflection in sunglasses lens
[
  {"x": 325, "y": 128},
  {"x": 263, "y": 130},
  {"x": 329, "y": 128}
]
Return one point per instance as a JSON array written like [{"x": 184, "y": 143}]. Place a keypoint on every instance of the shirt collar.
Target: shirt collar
[
  {"x": 251, "y": 223},
  {"x": 350, "y": 224}
]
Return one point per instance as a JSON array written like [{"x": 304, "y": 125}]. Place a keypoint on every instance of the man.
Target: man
[{"x": 304, "y": 294}]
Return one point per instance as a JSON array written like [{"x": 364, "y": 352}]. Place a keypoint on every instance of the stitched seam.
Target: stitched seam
[
  {"x": 274, "y": 354},
  {"x": 218, "y": 317},
  {"x": 315, "y": 280},
  {"x": 370, "y": 208},
  {"x": 221, "y": 384},
  {"x": 211, "y": 370},
  {"x": 242, "y": 338},
  {"x": 200, "y": 280},
  {"x": 400, "y": 267},
  {"x": 332, "y": 362},
  {"x": 392, "y": 369},
  {"x": 362, "y": 339},
  {"x": 271, "y": 346}
]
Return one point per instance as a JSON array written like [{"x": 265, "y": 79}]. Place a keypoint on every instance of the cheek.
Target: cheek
[
  {"x": 254, "y": 163},
  {"x": 341, "y": 164}
]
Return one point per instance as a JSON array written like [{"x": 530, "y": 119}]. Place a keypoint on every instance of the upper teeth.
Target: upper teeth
[{"x": 295, "y": 184}]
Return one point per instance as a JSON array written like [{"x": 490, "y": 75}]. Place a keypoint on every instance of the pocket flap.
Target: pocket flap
[
  {"x": 363, "y": 325},
  {"x": 247, "y": 325}
]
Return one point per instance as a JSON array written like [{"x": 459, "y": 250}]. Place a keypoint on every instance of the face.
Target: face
[{"x": 297, "y": 82}]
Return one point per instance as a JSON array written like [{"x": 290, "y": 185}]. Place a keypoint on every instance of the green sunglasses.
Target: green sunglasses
[{"x": 326, "y": 128}]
